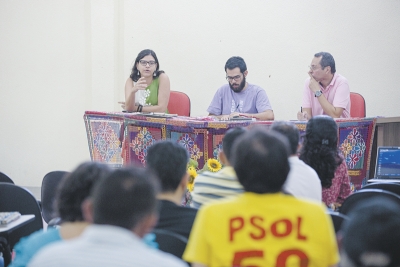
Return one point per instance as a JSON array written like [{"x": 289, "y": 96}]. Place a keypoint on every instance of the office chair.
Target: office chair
[
  {"x": 357, "y": 108},
  {"x": 391, "y": 187},
  {"x": 5, "y": 179},
  {"x": 337, "y": 219},
  {"x": 16, "y": 198},
  {"x": 351, "y": 201},
  {"x": 50, "y": 183},
  {"x": 179, "y": 103},
  {"x": 170, "y": 242}
]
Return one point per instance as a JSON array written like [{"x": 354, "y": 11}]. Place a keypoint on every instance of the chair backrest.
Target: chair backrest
[
  {"x": 5, "y": 179},
  {"x": 391, "y": 187},
  {"x": 351, "y": 201},
  {"x": 337, "y": 219},
  {"x": 16, "y": 198},
  {"x": 357, "y": 108},
  {"x": 170, "y": 242},
  {"x": 50, "y": 183},
  {"x": 179, "y": 103}
]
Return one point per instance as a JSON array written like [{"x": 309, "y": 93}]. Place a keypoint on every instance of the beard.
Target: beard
[{"x": 240, "y": 87}]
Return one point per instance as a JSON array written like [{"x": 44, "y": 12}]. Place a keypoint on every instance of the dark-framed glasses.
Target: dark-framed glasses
[
  {"x": 144, "y": 63},
  {"x": 313, "y": 67},
  {"x": 236, "y": 78}
]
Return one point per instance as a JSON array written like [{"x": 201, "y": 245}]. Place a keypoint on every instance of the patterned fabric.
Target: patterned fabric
[
  {"x": 139, "y": 140},
  {"x": 355, "y": 142},
  {"x": 103, "y": 133},
  {"x": 340, "y": 188},
  {"x": 122, "y": 138}
]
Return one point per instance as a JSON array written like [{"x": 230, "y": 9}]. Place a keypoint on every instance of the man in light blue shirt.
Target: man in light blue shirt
[{"x": 238, "y": 98}]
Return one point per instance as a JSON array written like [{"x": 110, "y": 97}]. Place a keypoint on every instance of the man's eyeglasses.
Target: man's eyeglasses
[
  {"x": 313, "y": 67},
  {"x": 144, "y": 63},
  {"x": 236, "y": 78}
]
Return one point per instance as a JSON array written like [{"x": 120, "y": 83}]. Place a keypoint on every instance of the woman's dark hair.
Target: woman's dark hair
[
  {"x": 135, "y": 75},
  {"x": 320, "y": 149},
  {"x": 76, "y": 187}
]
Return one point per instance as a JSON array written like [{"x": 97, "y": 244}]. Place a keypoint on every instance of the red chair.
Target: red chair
[
  {"x": 179, "y": 103},
  {"x": 357, "y": 109}
]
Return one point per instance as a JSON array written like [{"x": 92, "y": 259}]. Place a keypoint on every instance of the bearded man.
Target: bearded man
[{"x": 238, "y": 98}]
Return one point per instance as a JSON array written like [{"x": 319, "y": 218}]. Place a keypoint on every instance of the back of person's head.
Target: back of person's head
[
  {"x": 236, "y": 62},
  {"x": 371, "y": 236},
  {"x": 326, "y": 60},
  {"x": 291, "y": 132},
  {"x": 260, "y": 159},
  {"x": 75, "y": 187},
  {"x": 125, "y": 197},
  {"x": 229, "y": 138},
  {"x": 320, "y": 149},
  {"x": 169, "y": 161}
]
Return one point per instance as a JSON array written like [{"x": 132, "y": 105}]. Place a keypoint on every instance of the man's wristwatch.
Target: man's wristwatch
[{"x": 318, "y": 93}]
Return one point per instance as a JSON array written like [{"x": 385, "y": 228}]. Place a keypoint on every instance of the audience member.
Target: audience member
[
  {"x": 320, "y": 152},
  {"x": 238, "y": 97},
  {"x": 123, "y": 209},
  {"x": 215, "y": 185},
  {"x": 73, "y": 190},
  {"x": 169, "y": 161},
  {"x": 371, "y": 237},
  {"x": 325, "y": 92},
  {"x": 262, "y": 226},
  {"x": 302, "y": 180},
  {"x": 147, "y": 89}
]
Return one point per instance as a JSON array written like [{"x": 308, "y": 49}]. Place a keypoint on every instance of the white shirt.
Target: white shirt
[
  {"x": 103, "y": 245},
  {"x": 302, "y": 180}
]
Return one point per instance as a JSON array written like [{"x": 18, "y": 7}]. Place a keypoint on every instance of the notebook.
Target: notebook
[
  {"x": 7, "y": 217},
  {"x": 387, "y": 168}
]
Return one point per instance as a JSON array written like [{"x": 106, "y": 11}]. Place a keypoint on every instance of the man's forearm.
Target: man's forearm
[
  {"x": 329, "y": 109},
  {"x": 267, "y": 115}
]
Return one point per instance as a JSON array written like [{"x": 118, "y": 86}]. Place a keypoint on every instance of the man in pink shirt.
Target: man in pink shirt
[{"x": 325, "y": 92}]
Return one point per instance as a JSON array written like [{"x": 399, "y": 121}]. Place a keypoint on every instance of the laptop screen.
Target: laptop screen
[{"x": 388, "y": 163}]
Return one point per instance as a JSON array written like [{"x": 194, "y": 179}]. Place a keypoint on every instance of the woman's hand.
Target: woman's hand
[
  {"x": 139, "y": 85},
  {"x": 130, "y": 89}
]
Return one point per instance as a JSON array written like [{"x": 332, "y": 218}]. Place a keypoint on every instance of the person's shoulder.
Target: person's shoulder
[
  {"x": 254, "y": 87},
  {"x": 188, "y": 210},
  {"x": 49, "y": 254},
  {"x": 340, "y": 78},
  {"x": 163, "y": 77},
  {"x": 168, "y": 206},
  {"x": 41, "y": 237}
]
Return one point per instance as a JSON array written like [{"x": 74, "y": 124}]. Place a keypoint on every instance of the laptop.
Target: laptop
[{"x": 387, "y": 168}]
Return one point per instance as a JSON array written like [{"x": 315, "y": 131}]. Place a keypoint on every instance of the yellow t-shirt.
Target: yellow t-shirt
[{"x": 262, "y": 230}]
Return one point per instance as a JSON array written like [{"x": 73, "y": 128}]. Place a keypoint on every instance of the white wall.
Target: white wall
[{"x": 59, "y": 58}]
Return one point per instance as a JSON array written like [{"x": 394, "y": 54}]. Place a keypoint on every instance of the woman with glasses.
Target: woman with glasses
[
  {"x": 320, "y": 151},
  {"x": 147, "y": 88}
]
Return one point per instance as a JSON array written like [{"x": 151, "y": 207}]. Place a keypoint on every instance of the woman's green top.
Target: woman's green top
[{"x": 149, "y": 96}]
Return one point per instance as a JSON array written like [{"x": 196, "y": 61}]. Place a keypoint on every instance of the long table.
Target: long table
[
  {"x": 119, "y": 139},
  {"x": 387, "y": 133}
]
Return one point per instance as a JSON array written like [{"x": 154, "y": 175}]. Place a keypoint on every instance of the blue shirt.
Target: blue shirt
[
  {"x": 28, "y": 246},
  {"x": 251, "y": 100}
]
